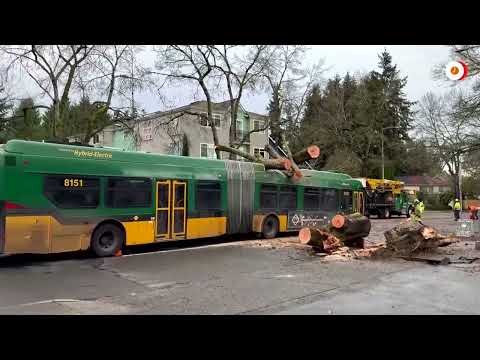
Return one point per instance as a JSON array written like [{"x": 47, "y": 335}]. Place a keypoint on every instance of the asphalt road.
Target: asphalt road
[{"x": 231, "y": 278}]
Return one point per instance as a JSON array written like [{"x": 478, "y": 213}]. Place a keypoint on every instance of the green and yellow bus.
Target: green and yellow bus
[{"x": 60, "y": 198}]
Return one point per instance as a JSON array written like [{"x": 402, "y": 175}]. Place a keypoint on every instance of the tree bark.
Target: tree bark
[
  {"x": 296, "y": 170},
  {"x": 272, "y": 152},
  {"x": 279, "y": 164}
]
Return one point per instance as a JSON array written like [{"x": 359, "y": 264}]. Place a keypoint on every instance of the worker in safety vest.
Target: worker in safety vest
[
  {"x": 457, "y": 206},
  {"x": 418, "y": 210}
]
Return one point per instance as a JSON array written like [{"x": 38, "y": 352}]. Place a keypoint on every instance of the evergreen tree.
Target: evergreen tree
[
  {"x": 4, "y": 118},
  {"x": 27, "y": 122},
  {"x": 396, "y": 111}
]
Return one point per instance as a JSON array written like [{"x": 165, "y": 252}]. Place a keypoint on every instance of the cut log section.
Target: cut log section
[
  {"x": 319, "y": 238},
  {"x": 311, "y": 152},
  {"x": 279, "y": 164},
  {"x": 343, "y": 230}
]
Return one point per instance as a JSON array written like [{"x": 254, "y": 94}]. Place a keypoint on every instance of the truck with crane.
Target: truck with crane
[{"x": 385, "y": 198}]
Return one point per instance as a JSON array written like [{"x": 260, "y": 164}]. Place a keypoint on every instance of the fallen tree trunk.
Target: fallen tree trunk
[
  {"x": 343, "y": 230},
  {"x": 279, "y": 164},
  {"x": 411, "y": 236},
  {"x": 272, "y": 152},
  {"x": 319, "y": 238},
  {"x": 311, "y": 152},
  {"x": 296, "y": 170},
  {"x": 275, "y": 155}
]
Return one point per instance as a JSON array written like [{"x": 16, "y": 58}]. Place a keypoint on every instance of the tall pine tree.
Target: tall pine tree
[
  {"x": 5, "y": 107},
  {"x": 396, "y": 112}
]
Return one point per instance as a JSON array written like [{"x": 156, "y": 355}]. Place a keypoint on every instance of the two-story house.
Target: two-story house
[{"x": 169, "y": 132}]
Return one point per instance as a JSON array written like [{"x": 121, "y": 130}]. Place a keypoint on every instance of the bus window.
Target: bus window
[
  {"x": 128, "y": 193},
  {"x": 311, "y": 199},
  {"x": 329, "y": 200},
  {"x": 347, "y": 202},
  {"x": 268, "y": 197},
  {"x": 288, "y": 197},
  {"x": 208, "y": 195},
  {"x": 72, "y": 192}
]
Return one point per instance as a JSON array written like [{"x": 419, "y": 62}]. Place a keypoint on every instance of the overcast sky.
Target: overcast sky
[{"x": 414, "y": 61}]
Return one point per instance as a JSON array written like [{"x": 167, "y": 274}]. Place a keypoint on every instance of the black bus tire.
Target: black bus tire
[
  {"x": 270, "y": 227},
  {"x": 107, "y": 240}
]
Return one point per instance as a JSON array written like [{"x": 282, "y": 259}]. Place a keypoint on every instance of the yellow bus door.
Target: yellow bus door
[
  {"x": 171, "y": 209},
  {"x": 179, "y": 209}
]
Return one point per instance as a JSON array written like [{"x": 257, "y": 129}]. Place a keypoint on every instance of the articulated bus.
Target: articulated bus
[{"x": 61, "y": 198}]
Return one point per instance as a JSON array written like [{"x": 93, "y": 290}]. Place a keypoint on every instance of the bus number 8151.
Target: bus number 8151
[{"x": 73, "y": 183}]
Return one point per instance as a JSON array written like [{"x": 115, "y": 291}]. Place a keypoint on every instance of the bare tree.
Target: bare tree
[
  {"x": 242, "y": 68},
  {"x": 289, "y": 83},
  {"x": 445, "y": 131},
  {"x": 191, "y": 64},
  {"x": 111, "y": 73},
  {"x": 52, "y": 68}
]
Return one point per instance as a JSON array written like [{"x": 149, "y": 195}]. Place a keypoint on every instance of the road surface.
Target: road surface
[{"x": 231, "y": 278}]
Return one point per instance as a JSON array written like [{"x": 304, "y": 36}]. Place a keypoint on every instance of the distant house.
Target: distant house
[
  {"x": 427, "y": 184},
  {"x": 149, "y": 136}
]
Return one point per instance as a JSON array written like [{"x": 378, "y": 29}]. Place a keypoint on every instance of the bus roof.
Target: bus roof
[
  {"x": 101, "y": 154},
  {"x": 61, "y": 151}
]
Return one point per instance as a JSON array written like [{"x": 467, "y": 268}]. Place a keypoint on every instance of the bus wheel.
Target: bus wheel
[
  {"x": 270, "y": 227},
  {"x": 107, "y": 240}
]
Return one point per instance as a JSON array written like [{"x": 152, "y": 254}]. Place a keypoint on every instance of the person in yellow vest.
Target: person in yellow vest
[
  {"x": 418, "y": 210},
  {"x": 457, "y": 206}
]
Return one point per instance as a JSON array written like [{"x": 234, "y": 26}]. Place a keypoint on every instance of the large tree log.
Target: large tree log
[
  {"x": 296, "y": 169},
  {"x": 319, "y": 238},
  {"x": 343, "y": 230},
  {"x": 272, "y": 152},
  {"x": 279, "y": 164},
  {"x": 411, "y": 236},
  {"x": 350, "y": 227},
  {"x": 311, "y": 152}
]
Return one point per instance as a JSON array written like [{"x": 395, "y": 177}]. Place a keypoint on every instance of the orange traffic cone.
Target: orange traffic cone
[{"x": 118, "y": 253}]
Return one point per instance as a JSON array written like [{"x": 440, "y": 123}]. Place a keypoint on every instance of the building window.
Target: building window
[
  {"x": 207, "y": 151},
  {"x": 268, "y": 197},
  {"x": 96, "y": 138},
  {"x": 259, "y": 152},
  {"x": 128, "y": 193},
  {"x": 147, "y": 133},
  {"x": 204, "y": 121},
  {"x": 258, "y": 124},
  {"x": 288, "y": 197},
  {"x": 72, "y": 192},
  {"x": 208, "y": 195}
]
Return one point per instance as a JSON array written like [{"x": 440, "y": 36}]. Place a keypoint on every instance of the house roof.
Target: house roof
[
  {"x": 440, "y": 180},
  {"x": 220, "y": 106}
]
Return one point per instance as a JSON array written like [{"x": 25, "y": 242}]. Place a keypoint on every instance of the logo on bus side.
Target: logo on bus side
[
  {"x": 90, "y": 154},
  {"x": 298, "y": 219},
  {"x": 94, "y": 154}
]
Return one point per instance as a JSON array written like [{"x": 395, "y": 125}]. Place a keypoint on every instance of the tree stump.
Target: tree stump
[{"x": 411, "y": 236}]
